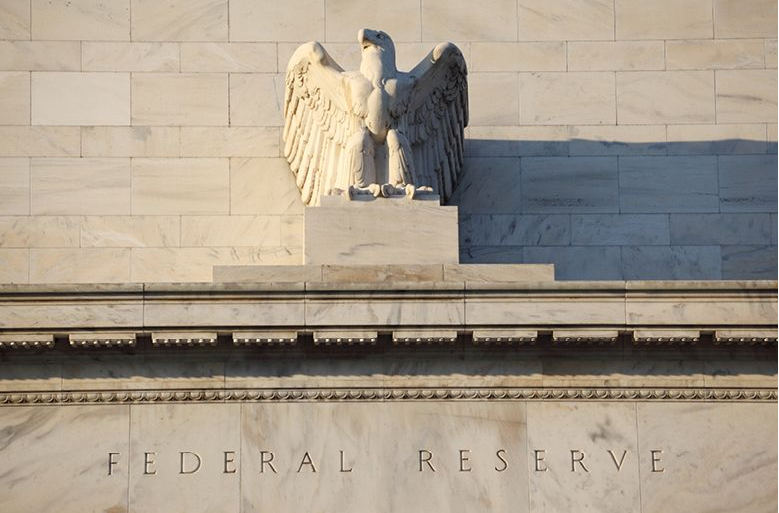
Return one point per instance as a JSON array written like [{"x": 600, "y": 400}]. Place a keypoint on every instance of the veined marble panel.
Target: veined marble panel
[
  {"x": 177, "y": 458},
  {"x": 56, "y": 459},
  {"x": 669, "y": 309},
  {"x": 754, "y": 262},
  {"x": 80, "y": 20},
  {"x": 583, "y": 457},
  {"x": 15, "y": 19},
  {"x": 224, "y": 313},
  {"x": 40, "y": 55},
  {"x": 384, "y": 312},
  {"x": 724, "y": 459},
  {"x": 367, "y": 457},
  {"x": 38, "y": 314},
  {"x": 496, "y": 307},
  {"x": 348, "y": 232},
  {"x": 386, "y": 456}
]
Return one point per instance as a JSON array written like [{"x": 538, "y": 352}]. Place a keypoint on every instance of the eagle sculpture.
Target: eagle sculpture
[{"x": 377, "y": 131}]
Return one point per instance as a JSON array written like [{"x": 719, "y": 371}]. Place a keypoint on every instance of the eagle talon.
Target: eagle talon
[
  {"x": 372, "y": 190},
  {"x": 387, "y": 190}
]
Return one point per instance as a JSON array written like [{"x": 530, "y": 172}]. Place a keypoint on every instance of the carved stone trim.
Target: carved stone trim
[
  {"x": 270, "y": 338},
  {"x": 345, "y": 337},
  {"x": 26, "y": 341},
  {"x": 666, "y": 336},
  {"x": 183, "y": 339},
  {"x": 505, "y": 336},
  {"x": 584, "y": 336},
  {"x": 100, "y": 340},
  {"x": 749, "y": 337},
  {"x": 388, "y": 394},
  {"x": 417, "y": 337}
]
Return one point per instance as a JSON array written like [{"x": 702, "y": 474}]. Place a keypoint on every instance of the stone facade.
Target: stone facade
[
  {"x": 405, "y": 388},
  {"x": 140, "y": 140}
]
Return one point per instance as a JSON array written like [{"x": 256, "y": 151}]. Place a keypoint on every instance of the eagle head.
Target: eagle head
[
  {"x": 370, "y": 39},
  {"x": 378, "y": 53}
]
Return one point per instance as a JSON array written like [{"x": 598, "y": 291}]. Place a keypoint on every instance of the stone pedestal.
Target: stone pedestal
[{"x": 380, "y": 231}]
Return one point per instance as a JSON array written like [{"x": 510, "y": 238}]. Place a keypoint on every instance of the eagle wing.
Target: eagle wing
[
  {"x": 318, "y": 121},
  {"x": 436, "y": 116}
]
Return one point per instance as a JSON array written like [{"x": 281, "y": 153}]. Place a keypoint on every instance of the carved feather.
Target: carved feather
[
  {"x": 316, "y": 114},
  {"x": 328, "y": 113},
  {"x": 436, "y": 114}
]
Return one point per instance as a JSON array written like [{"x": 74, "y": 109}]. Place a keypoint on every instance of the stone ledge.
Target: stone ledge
[
  {"x": 746, "y": 308},
  {"x": 17, "y": 291}
]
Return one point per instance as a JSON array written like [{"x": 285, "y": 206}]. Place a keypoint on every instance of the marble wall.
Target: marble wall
[
  {"x": 139, "y": 140},
  {"x": 398, "y": 456}
]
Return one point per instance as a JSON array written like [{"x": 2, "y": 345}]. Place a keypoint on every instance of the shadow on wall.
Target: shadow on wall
[
  {"x": 344, "y": 366},
  {"x": 615, "y": 210}
]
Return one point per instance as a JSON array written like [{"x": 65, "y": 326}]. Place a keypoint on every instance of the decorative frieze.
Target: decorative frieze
[
  {"x": 183, "y": 339},
  {"x": 669, "y": 336},
  {"x": 585, "y": 336},
  {"x": 100, "y": 340},
  {"x": 745, "y": 337},
  {"x": 269, "y": 338},
  {"x": 505, "y": 336},
  {"x": 417, "y": 337},
  {"x": 345, "y": 337},
  {"x": 26, "y": 341},
  {"x": 389, "y": 394}
]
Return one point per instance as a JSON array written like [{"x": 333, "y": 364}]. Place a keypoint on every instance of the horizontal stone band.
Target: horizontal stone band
[{"x": 97, "y": 397}]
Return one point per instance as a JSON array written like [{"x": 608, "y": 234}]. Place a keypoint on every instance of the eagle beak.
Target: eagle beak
[{"x": 364, "y": 39}]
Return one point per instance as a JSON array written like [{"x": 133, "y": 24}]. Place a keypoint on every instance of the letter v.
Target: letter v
[{"x": 621, "y": 460}]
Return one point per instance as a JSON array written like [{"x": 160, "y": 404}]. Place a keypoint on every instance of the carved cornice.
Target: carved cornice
[
  {"x": 349, "y": 336},
  {"x": 608, "y": 314},
  {"x": 345, "y": 337},
  {"x": 666, "y": 336},
  {"x": 183, "y": 339},
  {"x": 96, "y": 397},
  {"x": 417, "y": 337},
  {"x": 26, "y": 341},
  {"x": 102, "y": 340},
  {"x": 505, "y": 337}
]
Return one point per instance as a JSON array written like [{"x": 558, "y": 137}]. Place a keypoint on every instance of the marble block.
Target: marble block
[
  {"x": 382, "y": 231},
  {"x": 56, "y": 459},
  {"x": 177, "y": 458},
  {"x": 382, "y": 455},
  {"x": 499, "y": 273},
  {"x": 367, "y": 458},
  {"x": 590, "y": 464},
  {"x": 724, "y": 458}
]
